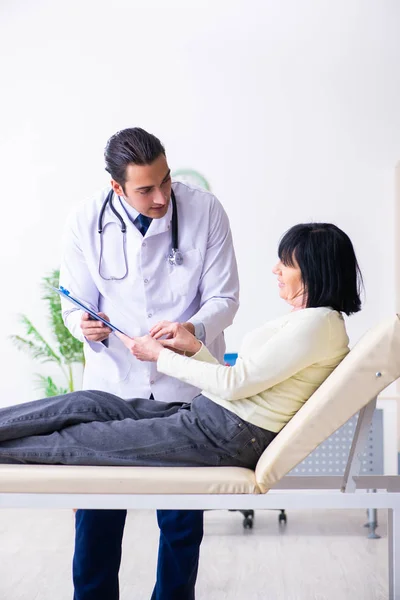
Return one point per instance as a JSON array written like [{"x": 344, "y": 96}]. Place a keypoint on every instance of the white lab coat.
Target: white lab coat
[{"x": 204, "y": 289}]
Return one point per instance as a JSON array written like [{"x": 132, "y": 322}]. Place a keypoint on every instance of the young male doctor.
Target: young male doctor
[{"x": 145, "y": 250}]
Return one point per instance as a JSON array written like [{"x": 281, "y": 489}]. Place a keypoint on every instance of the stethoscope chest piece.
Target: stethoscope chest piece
[{"x": 175, "y": 258}]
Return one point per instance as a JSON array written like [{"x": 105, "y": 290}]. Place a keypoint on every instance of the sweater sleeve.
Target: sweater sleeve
[
  {"x": 204, "y": 355},
  {"x": 293, "y": 348}
]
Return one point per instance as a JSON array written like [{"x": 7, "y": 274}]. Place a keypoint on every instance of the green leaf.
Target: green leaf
[
  {"x": 69, "y": 350},
  {"x": 69, "y": 347},
  {"x": 34, "y": 343},
  {"x": 48, "y": 387}
]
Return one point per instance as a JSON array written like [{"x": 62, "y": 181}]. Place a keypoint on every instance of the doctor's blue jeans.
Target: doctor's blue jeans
[
  {"x": 98, "y": 554},
  {"x": 98, "y": 551}
]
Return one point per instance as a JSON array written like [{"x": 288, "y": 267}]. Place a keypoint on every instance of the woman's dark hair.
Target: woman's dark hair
[
  {"x": 133, "y": 145},
  {"x": 328, "y": 265}
]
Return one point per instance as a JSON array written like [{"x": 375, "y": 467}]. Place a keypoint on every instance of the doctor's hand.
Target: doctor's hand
[
  {"x": 176, "y": 336},
  {"x": 143, "y": 348},
  {"x": 94, "y": 331}
]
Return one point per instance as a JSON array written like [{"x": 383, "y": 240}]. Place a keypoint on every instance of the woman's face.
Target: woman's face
[{"x": 290, "y": 284}]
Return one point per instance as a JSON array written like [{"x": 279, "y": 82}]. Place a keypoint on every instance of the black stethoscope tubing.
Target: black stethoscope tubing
[
  {"x": 175, "y": 257},
  {"x": 108, "y": 200}
]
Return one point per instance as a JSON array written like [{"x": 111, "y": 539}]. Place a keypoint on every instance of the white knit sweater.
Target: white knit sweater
[{"x": 279, "y": 366}]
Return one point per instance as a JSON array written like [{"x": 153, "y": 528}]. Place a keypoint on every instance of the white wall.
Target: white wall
[{"x": 291, "y": 110}]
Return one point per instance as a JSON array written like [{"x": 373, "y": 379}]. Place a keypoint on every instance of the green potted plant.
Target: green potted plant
[{"x": 64, "y": 352}]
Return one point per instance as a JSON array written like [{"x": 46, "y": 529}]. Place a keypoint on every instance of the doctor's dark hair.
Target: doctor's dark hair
[
  {"x": 130, "y": 146},
  {"x": 328, "y": 265}
]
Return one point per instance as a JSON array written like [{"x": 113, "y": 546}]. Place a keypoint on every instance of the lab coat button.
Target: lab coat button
[
  {"x": 144, "y": 243},
  {"x": 151, "y": 382},
  {"x": 149, "y": 315},
  {"x": 146, "y": 281}
]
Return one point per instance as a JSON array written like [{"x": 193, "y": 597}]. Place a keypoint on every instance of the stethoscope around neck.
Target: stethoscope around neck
[{"x": 175, "y": 257}]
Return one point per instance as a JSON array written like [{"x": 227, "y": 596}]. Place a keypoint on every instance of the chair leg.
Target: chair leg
[
  {"x": 394, "y": 553},
  {"x": 282, "y": 518},
  {"x": 248, "y": 520},
  {"x": 372, "y": 523}
]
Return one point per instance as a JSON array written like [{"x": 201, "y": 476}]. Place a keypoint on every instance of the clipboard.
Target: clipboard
[{"x": 66, "y": 294}]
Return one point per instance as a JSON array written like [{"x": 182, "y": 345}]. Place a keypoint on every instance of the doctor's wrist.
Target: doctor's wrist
[
  {"x": 196, "y": 329},
  {"x": 189, "y": 327},
  {"x": 194, "y": 349}
]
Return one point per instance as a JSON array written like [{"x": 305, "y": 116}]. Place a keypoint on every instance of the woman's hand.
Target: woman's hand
[
  {"x": 177, "y": 336},
  {"x": 143, "y": 348}
]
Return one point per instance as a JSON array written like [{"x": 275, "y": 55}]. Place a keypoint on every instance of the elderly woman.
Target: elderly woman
[{"x": 241, "y": 408}]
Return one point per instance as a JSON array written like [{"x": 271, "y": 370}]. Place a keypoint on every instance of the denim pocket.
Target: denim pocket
[
  {"x": 220, "y": 423},
  {"x": 224, "y": 430},
  {"x": 240, "y": 442}
]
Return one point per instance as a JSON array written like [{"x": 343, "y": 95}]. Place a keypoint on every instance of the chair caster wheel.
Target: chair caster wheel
[
  {"x": 248, "y": 523},
  {"x": 282, "y": 518}
]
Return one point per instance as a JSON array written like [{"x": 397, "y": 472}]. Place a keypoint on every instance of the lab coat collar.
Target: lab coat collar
[
  {"x": 131, "y": 212},
  {"x": 156, "y": 226}
]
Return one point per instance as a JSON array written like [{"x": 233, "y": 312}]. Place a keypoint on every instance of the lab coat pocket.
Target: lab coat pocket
[
  {"x": 184, "y": 279},
  {"x": 111, "y": 364}
]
